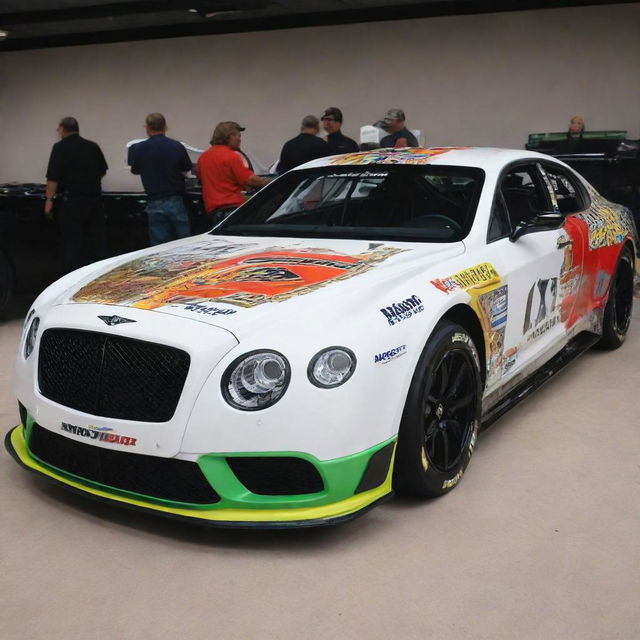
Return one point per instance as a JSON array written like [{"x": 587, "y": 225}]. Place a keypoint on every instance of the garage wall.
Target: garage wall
[{"x": 475, "y": 80}]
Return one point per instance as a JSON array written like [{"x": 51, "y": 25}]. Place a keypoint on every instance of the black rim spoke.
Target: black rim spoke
[
  {"x": 455, "y": 385},
  {"x": 462, "y": 402},
  {"x": 445, "y": 440},
  {"x": 444, "y": 374}
]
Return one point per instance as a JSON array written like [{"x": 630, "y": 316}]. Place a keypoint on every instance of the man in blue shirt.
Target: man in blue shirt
[{"x": 162, "y": 164}]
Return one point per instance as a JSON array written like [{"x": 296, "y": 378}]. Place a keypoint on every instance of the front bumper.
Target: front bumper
[{"x": 243, "y": 509}]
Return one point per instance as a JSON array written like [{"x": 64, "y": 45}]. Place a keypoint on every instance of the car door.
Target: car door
[
  {"x": 523, "y": 316},
  {"x": 571, "y": 199}
]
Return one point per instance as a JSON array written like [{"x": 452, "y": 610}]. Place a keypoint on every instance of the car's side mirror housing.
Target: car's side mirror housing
[{"x": 539, "y": 221}]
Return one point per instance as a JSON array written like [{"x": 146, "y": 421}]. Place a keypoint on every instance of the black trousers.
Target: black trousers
[{"x": 82, "y": 230}]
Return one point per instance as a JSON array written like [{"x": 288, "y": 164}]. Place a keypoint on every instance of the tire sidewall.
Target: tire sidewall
[{"x": 411, "y": 455}]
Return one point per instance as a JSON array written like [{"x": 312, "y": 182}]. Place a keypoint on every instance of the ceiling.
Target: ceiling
[{"x": 56, "y": 23}]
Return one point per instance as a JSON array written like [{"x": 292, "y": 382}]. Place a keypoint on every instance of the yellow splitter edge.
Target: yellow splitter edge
[{"x": 256, "y": 518}]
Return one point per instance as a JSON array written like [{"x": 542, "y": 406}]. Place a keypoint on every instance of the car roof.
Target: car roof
[{"x": 484, "y": 157}]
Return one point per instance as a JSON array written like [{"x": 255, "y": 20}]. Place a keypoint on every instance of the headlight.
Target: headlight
[
  {"x": 30, "y": 340},
  {"x": 331, "y": 367},
  {"x": 29, "y": 316},
  {"x": 256, "y": 380}
]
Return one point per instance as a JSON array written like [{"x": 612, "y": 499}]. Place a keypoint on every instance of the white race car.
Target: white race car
[{"x": 344, "y": 333}]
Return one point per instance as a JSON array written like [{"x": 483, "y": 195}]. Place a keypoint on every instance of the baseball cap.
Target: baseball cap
[
  {"x": 394, "y": 114},
  {"x": 332, "y": 112},
  {"x": 223, "y": 130}
]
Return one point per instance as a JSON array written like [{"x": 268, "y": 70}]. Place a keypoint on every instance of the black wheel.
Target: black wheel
[
  {"x": 7, "y": 280},
  {"x": 440, "y": 421},
  {"x": 617, "y": 313}
]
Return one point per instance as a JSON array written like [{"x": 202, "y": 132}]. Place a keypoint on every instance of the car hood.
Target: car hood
[{"x": 234, "y": 282}]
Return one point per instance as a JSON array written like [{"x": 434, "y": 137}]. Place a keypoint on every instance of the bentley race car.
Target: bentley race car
[{"x": 343, "y": 334}]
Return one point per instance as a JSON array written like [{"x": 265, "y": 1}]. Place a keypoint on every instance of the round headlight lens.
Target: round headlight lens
[
  {"x": 331, "y": 367},
  {"x": 256, "y": 380},
  {"x": 30, "y": 339}
]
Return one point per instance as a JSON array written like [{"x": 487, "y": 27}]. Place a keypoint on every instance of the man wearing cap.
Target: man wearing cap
[
  {"x": 222, "y": 172},
  {"x": 399, "y": 135},
  {"x": 162, "y": 164},
  {"x": 337, "y": 141},
  {"x": 304, "y": 147}
]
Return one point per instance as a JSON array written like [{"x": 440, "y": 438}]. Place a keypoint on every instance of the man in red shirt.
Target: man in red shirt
[{"x": 222, "y": 172}]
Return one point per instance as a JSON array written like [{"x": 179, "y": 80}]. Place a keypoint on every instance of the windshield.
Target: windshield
[{"x": 407, "y": 202}]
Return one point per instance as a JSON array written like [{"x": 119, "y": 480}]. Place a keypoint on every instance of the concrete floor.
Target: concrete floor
[{"x": 539, "y": 541}]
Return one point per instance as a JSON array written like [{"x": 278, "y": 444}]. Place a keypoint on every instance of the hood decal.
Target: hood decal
[
  {"x": 409, "y": 155},
  {"x": 196, "y": 274}
]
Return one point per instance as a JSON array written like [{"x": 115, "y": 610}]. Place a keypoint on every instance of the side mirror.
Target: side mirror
[{"x": 540, "y": 221}]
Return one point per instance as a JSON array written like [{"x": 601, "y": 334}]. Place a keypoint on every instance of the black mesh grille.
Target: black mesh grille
[
  {"x": 110, "y": 376},
  {"x": 166, "y": 478},
  {"x": 277, "y": 475}
]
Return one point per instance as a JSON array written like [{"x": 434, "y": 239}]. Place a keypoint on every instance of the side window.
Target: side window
[
  {"x": 523, "y": 192},
  {"x": 499, "y": 226},
  {"x": 568, "y": 195}
]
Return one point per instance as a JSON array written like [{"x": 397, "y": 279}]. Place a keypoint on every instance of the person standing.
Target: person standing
[
  {"x": 162, "y": 163},
  {"x": 223, "y": 173},
  {"x": 304, "y": 147},
  {"x": 74, "y": 177},
  {"x": 337, "y": 141},
  {"x": 399, "y": 136}
]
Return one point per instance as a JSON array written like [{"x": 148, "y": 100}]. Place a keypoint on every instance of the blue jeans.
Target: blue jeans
[{"x": 168, "y": 219}]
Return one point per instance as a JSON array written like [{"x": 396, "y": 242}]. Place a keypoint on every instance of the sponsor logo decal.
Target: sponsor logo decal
[
  {"x": 399, "y": 311},
  {"x": 103, "y": 434},
  {"x": 474, "y": 438},
  {"x": 480, "y": 275},
  {"x": 447, "y": 484},
  {"x": 544, "y": 327},
  {"x": 392, "y": 354},
  {"x": 546, "y": 292},
  {"x": 210, "y": 311},
  {"x": 544, "y": 298},
  {"x": 423, "y": 459},
  {"x": 113, "y": 320},
  {"x": 461, "y": 337}
]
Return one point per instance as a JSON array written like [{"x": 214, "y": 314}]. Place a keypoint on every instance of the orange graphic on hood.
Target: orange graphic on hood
[
  {"x": 246, "y": 280},
  {"x": 410, "y": 155}
]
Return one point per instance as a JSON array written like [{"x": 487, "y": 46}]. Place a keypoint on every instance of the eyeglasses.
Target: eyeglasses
[{"x": 327, "y": 118}]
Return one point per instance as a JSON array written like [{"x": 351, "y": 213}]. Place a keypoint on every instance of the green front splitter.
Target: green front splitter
[{"x": 237, "y": 506}]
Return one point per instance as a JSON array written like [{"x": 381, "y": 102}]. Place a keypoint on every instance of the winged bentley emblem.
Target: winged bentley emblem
[{"x": 113, "y": 320}]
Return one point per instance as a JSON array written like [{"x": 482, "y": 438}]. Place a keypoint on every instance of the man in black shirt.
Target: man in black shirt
[
  {"x": 304, "y": 147},
  {"x": 399, "y": 135},
  {"x": 162, "y": 163},
  {"x": 76, "y": 167},
  {"x": 337, "y": 141}
]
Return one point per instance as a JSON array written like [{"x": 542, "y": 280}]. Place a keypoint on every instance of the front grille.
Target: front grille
[
  {"x": 166, "y": 478},
  {"x": 111, "y": 376},
  {"x": 276, "y": 475}
]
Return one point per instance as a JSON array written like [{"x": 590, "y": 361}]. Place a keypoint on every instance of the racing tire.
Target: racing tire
[
  {"x": 7, "y": 281},
  {"x": 440, "y": 421},
  {"x": 617, "y": 312}
]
